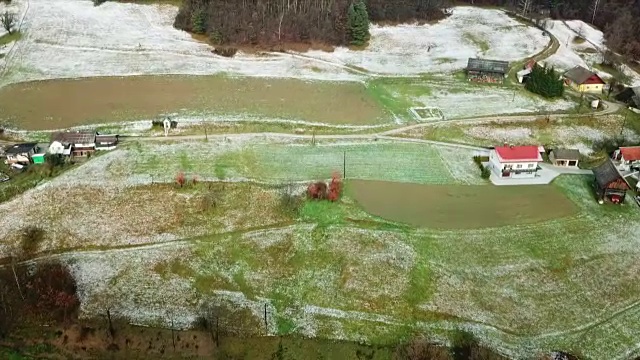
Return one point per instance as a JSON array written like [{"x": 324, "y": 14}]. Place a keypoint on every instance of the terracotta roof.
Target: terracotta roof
[
  {"x": 607, "y": 173},
  {"x": 580, "y": 75},
  {"x": 518, "y": 153},
  {"x": 631, "y": 153},
  {"x": 566, "y": 154}
]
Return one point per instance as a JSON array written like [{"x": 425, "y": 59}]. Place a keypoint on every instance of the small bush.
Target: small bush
[
  {"x": 209, "y": 201},
  {"x": 32, "y": 236},
  {"x": 98, "y": 2},
  {"x": 289, "y": 202},
  {"x": 215, "y": 37},
  {"x": 485, "y": 173},
  {"x": 225, "y": 51},
  {"x": 317, "y": 191}
]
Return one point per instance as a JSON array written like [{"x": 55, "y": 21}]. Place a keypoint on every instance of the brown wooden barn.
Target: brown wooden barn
[
  {"x": 610, "y": 185},
  {"x": 488, "y": 71}
]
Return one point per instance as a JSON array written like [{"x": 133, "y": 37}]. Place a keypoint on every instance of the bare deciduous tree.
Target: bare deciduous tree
[{"x": 8, "y": 20}]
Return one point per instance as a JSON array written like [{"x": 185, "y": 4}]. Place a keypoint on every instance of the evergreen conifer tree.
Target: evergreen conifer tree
[
  {"x": 358, "y": 23},
  {"x": 545, "y": 82}
]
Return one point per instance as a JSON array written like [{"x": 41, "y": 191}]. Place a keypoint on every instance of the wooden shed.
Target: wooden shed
[
  {"x": 489, "y": 71},
  {"x": 609, "y": 184}
]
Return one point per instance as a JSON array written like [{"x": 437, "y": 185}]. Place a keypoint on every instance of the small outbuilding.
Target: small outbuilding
[
  {"x": 609, "y": 184},
  {"x": 583, "y": 80},
  {"x": 488, "y": 71},
  {"x": 20, "y": 153},
  {"x": 564, "y": 157},
  {"x": 106, "y": 142}
]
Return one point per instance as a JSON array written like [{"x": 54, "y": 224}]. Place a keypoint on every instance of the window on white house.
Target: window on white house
[
  {"x": 519, "y": 166},
  {"x": 531, "y": 165}
]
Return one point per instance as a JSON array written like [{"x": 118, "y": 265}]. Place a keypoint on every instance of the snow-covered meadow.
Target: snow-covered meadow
[
  {"x": 73, "y": 38},
  {"x": 580, "y": 44},
  {"x": 443, "y": 47},
  {"x": 578, "y": 133}
]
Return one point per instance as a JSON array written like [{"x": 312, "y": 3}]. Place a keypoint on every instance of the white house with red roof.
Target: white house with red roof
[
  {"x": 518, "y": 162},
  {"x": 628, "y": 157}
]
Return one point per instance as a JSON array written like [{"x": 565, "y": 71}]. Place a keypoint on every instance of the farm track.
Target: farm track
[{"x": 611, "y": 108}]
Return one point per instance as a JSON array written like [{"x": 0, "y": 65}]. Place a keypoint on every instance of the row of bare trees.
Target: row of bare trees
[{"x": 269, "y": 22}]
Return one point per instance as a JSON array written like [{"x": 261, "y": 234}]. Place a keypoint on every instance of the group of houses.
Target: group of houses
[
  {"x": 610, "y": 178},
  {"x": 69, "y": 144},
  {"x": 495, "y": 71}
]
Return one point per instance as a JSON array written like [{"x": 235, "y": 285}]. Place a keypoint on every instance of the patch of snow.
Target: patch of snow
[
  {"x": 593, "y": 36},
  {"x": 485, "y": 101},
  {"x": 499, "y": 134},
  {"x": 566, "y": 57},
  {"x": 444, "y": 46},
  {"x": 71, "y": 38}
]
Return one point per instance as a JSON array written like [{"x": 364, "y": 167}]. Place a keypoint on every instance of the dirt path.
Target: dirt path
[{"x": 386, "y": 135}]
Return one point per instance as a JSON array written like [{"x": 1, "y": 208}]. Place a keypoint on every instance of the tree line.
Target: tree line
[
  {"x": 334, "y": 22},
  {"x": 270, "y": 22}
]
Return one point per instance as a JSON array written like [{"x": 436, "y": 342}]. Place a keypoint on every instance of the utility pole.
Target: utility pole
[
  {"x": 266, "y": 327},
  {"x": 344, "y": 165}
]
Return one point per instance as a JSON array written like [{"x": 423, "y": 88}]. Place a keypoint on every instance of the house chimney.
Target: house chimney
[{"x": 511, "y": 146}]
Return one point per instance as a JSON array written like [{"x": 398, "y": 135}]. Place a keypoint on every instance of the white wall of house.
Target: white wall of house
[
  {"x": 499, "y": 167},
  {"x": 626, "y": 164},
  {"x": 56, "y": 147}
]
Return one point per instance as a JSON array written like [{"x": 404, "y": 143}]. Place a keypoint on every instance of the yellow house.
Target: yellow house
[{"x": 584, "y": 81}]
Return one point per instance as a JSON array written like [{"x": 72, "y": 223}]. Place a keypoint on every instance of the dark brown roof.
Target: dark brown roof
[
  {"x": 103, "y": 139},
  {"x": 578, "y": 74},
  {"x": 607, "y": 173},
  {"x": 496, "y": 66},
  {"x": 74, "y": 137},
  {"x": 566, "y": 154},
  {"x": 20, "y": 148}
]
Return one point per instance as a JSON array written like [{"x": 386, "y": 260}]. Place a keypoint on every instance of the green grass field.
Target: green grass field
[
  {"x": 340, "y": 272},
  {"x": 570, "y": 280},
  {"x": 403, "y": 162}
]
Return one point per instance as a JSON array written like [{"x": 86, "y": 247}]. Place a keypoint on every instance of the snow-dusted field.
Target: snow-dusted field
[
  {"x": 73, "y": 38},
  {"x": 572, "y": 133},
  {"x": 586, "y": 53},
  {"x": 247, "y": 254},
  {"x": 442, "y": 47}
]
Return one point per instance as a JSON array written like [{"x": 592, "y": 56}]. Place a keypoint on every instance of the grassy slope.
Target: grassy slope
[{"x": 525, "y": 280}]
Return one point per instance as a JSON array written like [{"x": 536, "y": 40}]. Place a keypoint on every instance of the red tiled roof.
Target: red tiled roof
[
  {"x": 518, "y": 153},
  {"x": 631, "y": 153},
  {"x": 593, "y": 79}
]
